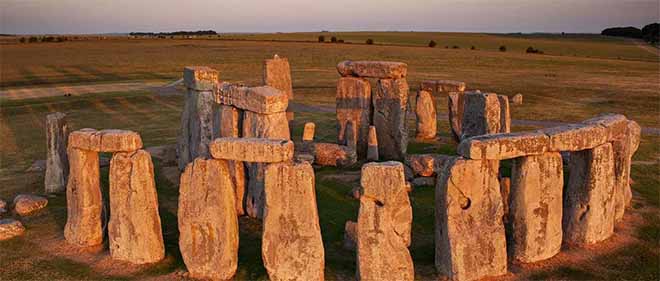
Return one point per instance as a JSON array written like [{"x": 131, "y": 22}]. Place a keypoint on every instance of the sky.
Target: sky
[{"x": 497, "y": 16}]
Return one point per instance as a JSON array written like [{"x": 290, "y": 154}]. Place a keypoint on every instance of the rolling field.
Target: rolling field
[{"x": 556, "y": 86}]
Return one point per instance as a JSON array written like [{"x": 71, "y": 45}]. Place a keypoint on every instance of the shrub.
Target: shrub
[
  {"x": 531, "y": 50},
  {"x": 502, "y": 48},
  {"x": 370, "y": 41},
  {"x": 446, "y": 47},
  {"x": 321, "y": 38},
  {"x": 340, "y": 41},
  {"x": 455, "y": 47},
  {"x": 33, "y": 39},
  {"x": 22, "y": 40},
  {"x": 333, "y": 39},
  {"x": 432, "y": 44},
  {"x": 473, "y": 48}
]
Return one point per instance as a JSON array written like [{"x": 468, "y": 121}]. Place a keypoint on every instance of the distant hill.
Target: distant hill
[{"x": 176, "y": 33}]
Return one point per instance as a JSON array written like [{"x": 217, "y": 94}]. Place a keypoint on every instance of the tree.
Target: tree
[
  {"x": 630, "y": 32},
  {"x": 502, "y": 48},
  {"x": 432, "y": 44},
  {"x": 651, "y": 33},
  {"x": 22, "y": 40},
  {"x": 321, "y": 38},
  {"x": 333, "y": 39},
  {"x": 370, "y": 41}
]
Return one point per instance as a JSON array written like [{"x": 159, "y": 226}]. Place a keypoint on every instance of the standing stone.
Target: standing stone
[
  {"x": 589, "y": 198},
  {"x": 292, "y": 248},
  {"x": 384, "y": 224},
  {"x": 456, "y": 104},
  {"x": 634, "y": 135},
  {"x": 134, "y": 230},
  {"x": 518, "y": 99},
  {"x": 83, "y": 199},
  {"x": 277, "y": 74},
  {"x": 481, "y": 115},
  {"x": 470, "y": 241},
  {"x": 308, "y": 132},
  {"x": 354, "y": 105},
  {"x": 427, "y": 119},
  {"x": 228, "y": 123},
  {"x": 57, "y": 164},
  {"x": 372, "y": 149},
  {"x": 208, "y": 223},
  {"x": 505, "y": 114},
  {"x": 390, "y": 101},
  {"x": 536, "y": 207}
]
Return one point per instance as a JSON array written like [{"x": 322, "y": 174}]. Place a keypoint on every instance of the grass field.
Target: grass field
[{"x": 555, "y": 87}]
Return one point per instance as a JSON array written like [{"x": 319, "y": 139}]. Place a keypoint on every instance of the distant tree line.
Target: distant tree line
[
  {"x": 176, "y": 33},
  {"x": 650, "y": 33}
]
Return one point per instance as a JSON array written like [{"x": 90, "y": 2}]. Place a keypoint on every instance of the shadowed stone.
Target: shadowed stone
[
  {"x": 423, "y": 181},
  {"x": 200, "y": 78},
  {"x": 504, "y": 146},
  {"x": 505, "y": 191},
  {"x": 634, "y": 135},
  {"x": 308, "y": 132},
  {"x": 228, "y": 123},
  {"x": 10, "y": 228},
  {"x": 277, "y": 74},
  {"x": 622, "y": 148},
  {"x": 263, "y": 99},
  {"x": 353, "y": 100},
  {"x": 207, "y": 220},
  {"x": 456, "y": 104},
  {"x": 505, "y": 115},
  {"x": 384, "y": 223},
  {"x": 426, "y": 165},
  {"x": 26, "y": 204},
  {"x": 291, "y": 248},
  {"x": 589, "y": 197},
  {"x": 535, "y": 215},
  {"x": 390, "y": 102},
  {"x": 252, "y": 149},
  {"x": 372, "y": 149},
  {"x": 350, "y": 235},
  {"x": 57, "y": 164},
  {"x": 373, "y": 69},
  {"x": 134, "y": 230},
  {"x": 575, "y": 137},
  {"x": 109, "y": 140},
  {"x": 83, "y": 199},
  {"x": 331, "y": 154},
  {"x": 350, "y": 139},
  {"x": 470, "y": 241},
  {"x": 481, "y": 114},
  {"x": 427, "y": 118}
]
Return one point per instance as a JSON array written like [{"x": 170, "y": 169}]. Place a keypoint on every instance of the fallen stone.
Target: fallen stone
[
  {"x": 207, "y": 220},
  {"x": 372, "y": 149},
  {"x": 83, "y": 198},
  {"x": 427, "y": 119},
  {"x": 57, "y": 164},
  {"x": 426, "y": 165},
  {"x": 331, "y": 154},
  {"x": 263, "y": 99},
  {"x": 134, "y": 229},
  {"x": 518, "y": 99},
  {"x": 200, "y": 78},
  {"x": 277, "y": 74},
  {"x": 505, "y": 115},
  {"x": 105, "y": 140},
  {"x": 353, "y": 100},
  {"x": 373, "y": 69},
  {"x": 390, "y": 102},
  {"x": 308, "y": 131},
  {"x": 470, "y": 241},
  {"x": 350, "y": 235},
  {"x": 535, "y": 213},
  {"x": 504, "y": 146},
  {"x": 384, "y": 223},
  {"x": 26, "y": 204},
  {"x": 252, "y": 149},
  {"x": 10, "y": 228},
  {"x": 589, "y": 198},
  {"x": 456, "y": 104},
  {"x": 481, "y": 115},
  {"x": 423, "y": 181},
  {"x": 292, "y": 248},
  {"x": 575, "y": 137}
]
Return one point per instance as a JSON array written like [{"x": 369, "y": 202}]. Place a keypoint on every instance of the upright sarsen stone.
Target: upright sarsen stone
[
  {"x": 589, "y": 197},
  {"x": 470, "y": 241},
  {"x": 228, "y": 122},
  {"x": 207, "y": 219},
  {"x": 277, "y": 74},
  {"x": 134, "y": 230},
  {"x": 481, "y": 114},
  {"x": 505, "y": 114},
  {"x": 292, "y": 248},
  {"x": 456, "y": 104},
  {"x": 384, "y": 224},
  {"x": 354, "y": 105},
  {"x": 372, "y": 149},
  {"x": 535, "y": 207},
  {"x": 390, "y": 102},
  {"x": 83, "y": 199},
  {"x": 427, "y": 119},
  {"x": 57, "y": 163}
]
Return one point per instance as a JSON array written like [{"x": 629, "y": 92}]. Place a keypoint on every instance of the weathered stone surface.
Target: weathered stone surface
[
  {"x": 505, "y": 191},
  {"x": 535, "y": 231},
  {"x": 589, "y": 198},
  {"x": 350, "y": 235},
  {"x": 197, "y": 126},
  {"x": 200, "y": 78},
  {"x": 331, "y": 154},
  {"x": 263, "y": 99},
  {"x": 26, "y": 204},
  {"x": 456, "y": 104},
  {"x": 208, "y": 223},
  {"x": 308, "y": 131},
  {"x": 57, "y": 164},
  {"x": 227, "y": 121},
  {"x": 505, "y": 115},
  {"x": 634, "y": 135},
  {"x": 518, "y": 99},
  {"x": 109, "y": 140},
  {"x": 354, "y": 104},
  {"x": 481, "y": 114},
  {"x": 423, "y": 181},
  {"x": 575, "y": 137},
  {"x": 470, "y": 241},
  {"x": 372, "y": 149},
  {"x": 390, "y": 102},
  {"x": 83, "y": 199},
  {"x": 252, "y": 149},
  {"x": 277, "y": 74},
  {"x": 384, "y": 223},
  {"x": 504, "y": 146},
  {"x": 373, "y": 69},
  {"x": 616, "y": 125},
  {"x": 425, "y": 165},
  {"x": 427, "y": 119},
  {"x": 292, "y": 248},
  {"x": 134, "y": 230},
  {"x": 435, "y": 87},
  {"x": 10, "y": 228},
  {"x": 270, "y": 126},
  {"x": 350, "y": 139}
]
